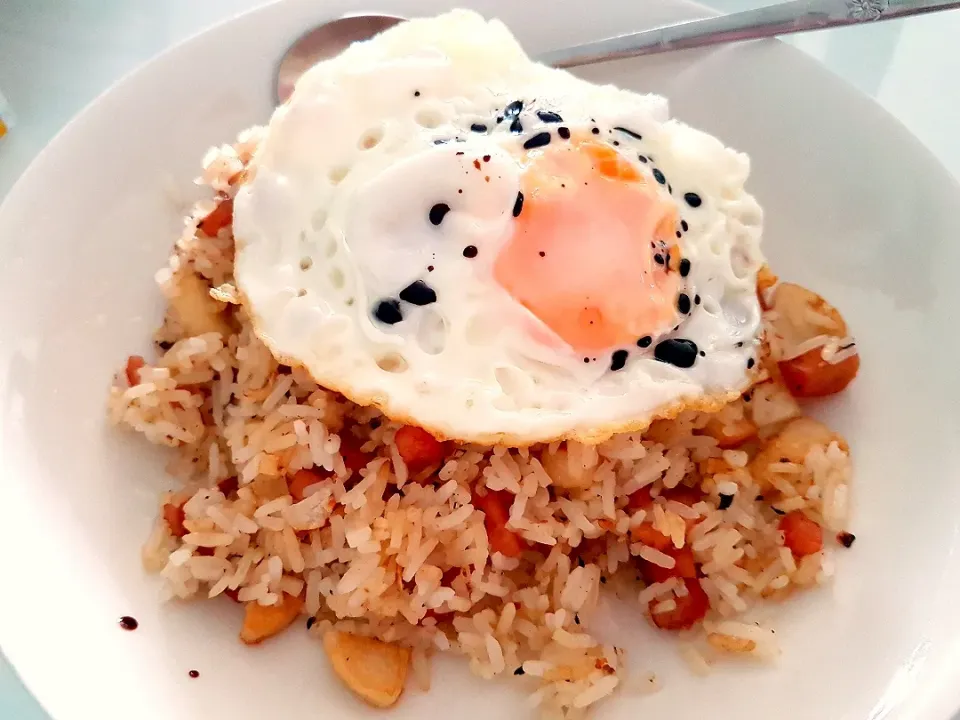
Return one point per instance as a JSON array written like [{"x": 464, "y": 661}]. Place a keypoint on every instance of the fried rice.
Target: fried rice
[{"x": 300, "y": 504}]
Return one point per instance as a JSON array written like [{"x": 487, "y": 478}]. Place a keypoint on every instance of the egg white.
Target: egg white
[{"x": 335, "y": 216}]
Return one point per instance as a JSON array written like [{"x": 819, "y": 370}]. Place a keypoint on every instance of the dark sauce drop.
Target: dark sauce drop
[
  {"x": 418, "y": 293},
  {"x": 129, "y": 623},
  {"x": 645, "y": 341},
  {"x": 549, "y": 117},
  {"x": 683, "y": 303},
  {"x": 631, "y": 133},
  {"x": 538, "y": 140},
  {"x": 684, "y": 267},
  {"x": 642, "y": 158},
  {"x": 478, "y": 128},
  {"x": 470, "y": 251},
  {"x": 388, "y": 312},
  {"x": 564, "y": 132},
  {"x": 618, "y": 360},
  {"x": 658, "y": 176},
  {"x": 518, "y": 205},
  {"x": 194, "y": 674},
  {"x": 692, "y": 199},
  {"x": 677, "y": 352},
  {"x": 438, "y": 212},
  {"x": 595, "y": 131},
  {"x": 513, "y": 109}
]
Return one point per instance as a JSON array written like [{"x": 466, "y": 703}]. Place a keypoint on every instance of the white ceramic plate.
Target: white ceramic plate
[{"x": 856, "y": 209}]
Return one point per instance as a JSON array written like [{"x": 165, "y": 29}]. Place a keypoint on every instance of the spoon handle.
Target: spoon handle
[{"x": 781, "y": 19}]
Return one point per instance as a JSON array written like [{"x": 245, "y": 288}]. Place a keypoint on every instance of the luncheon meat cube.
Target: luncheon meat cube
[
  {"x": 496, "y": 508},
  {"x": 134, "y": 364},
  {"x": 301, "y": 480},
  {"x": 685, "y": 566},
  {"x": 690, "y": 609},
  {"x": 418, "y": 448},
  {"x": 801, "y": 534},
  {"x": 174, "y": 516},
  {"x": 218, "y": 218}
]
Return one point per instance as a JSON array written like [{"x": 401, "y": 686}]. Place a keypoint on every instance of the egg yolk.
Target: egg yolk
[{"x": 588, "y": 255}]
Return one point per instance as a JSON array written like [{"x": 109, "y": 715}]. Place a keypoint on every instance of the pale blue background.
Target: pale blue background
[{"x": 57, "y": 55}]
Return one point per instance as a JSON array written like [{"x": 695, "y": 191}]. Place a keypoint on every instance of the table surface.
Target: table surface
[{"x": 57, "y": 55}]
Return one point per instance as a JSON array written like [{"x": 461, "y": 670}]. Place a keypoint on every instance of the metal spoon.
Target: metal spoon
[{"x": 781, "y": 19}]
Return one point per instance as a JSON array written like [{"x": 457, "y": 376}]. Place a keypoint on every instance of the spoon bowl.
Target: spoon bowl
[
  {"x": 325, "y": 41},
  {"x": 784, "y": 18}
]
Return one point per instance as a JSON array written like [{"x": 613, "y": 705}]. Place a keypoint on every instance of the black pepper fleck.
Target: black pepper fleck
[
  {"x": 684, "y": 267},
  {"x": 470, "y": 251},
  {"x": 596, "y": 131},
  {"x": 388, "y": 312},
  {"x": 645, "y": 341},
  {"x": 538, "y": 140},
  {"x": 684, "y": 226},
  {"x": 676, "y": 351},
  {"x": 518, "y": 205},
  {"x": 692, "y": 199},
  {"x": 696, "y": 299},
  {"x": 631, "y": 133},
  {"x": 416, "y": 93},
  {"x": 618, "y": 360},
  {"x": 642, "y": 159},
  {"x": 739, "y": 344},
  {"x": 683, "y": 303},
  {"x": 564, "y": 132},
  {"x": 702, "y": 354},
  {"x": 418, "y": 293},
  {"x": 658, "y": 176},
  {"x": 438, "y": 212},
  {"x": 549, "y": 117},
  {"x": 725, "y": 501},
  {"x": 679, "y": 234},
  {"x": 478, "y": 128},
  {"x": 658, "y": 259},
  {"x": 846, "y": 539}
]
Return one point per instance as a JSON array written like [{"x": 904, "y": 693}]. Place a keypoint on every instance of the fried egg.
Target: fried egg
[{"x": 495, "y": 250}]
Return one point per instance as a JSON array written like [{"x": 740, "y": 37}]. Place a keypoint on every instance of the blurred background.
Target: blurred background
[{"x": 57, "y": 55}]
